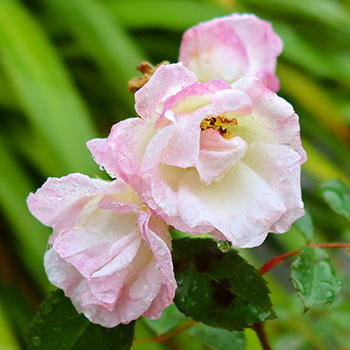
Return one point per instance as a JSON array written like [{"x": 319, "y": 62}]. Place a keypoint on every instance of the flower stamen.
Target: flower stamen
[{"x": 221, "y": 124}]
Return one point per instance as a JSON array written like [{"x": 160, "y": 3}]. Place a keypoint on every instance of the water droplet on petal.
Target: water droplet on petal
[
  {"x": 88, "y": 313},
  {"x": 124, "y": 261},
  {"x": 161, "y": 250}
]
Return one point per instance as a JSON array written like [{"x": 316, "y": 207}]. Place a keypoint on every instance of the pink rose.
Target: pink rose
[
  {"x": 232, "y": 47},
  {"x": 210, "y": 157},
  {"x": 107, "y": 252}
]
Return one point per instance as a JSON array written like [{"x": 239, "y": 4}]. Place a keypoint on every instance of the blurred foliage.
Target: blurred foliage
[{"x": 64, "y": 68}]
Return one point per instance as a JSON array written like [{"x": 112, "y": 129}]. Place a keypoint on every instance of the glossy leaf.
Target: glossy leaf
[
  {"x": 58, "y": 326},
  {"x": 218, "y": 288},
  {"x": 305, "y": 226},
  {"x": 337, "y": 195},
  {"x": 218, "y": 338},
  {"x": 314, "y": 277}
]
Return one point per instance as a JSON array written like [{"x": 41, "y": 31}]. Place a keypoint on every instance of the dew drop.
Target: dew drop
[
  {"x": 191, "y": 213},
  {"x": 299, "y": 286},
  {"x": 329, "y": 294},
  {"x": 46, "y": 308},
  {"x": 88, "y": 313},
  {"x": 224, "y": 246},
  {"x": 58, "y": 328},
  {"x": 36, "y": 341},
  {"x": 40, "y": 321},
  {"x": 124, "y": 261},
  {"x": 161, "y": 250}
]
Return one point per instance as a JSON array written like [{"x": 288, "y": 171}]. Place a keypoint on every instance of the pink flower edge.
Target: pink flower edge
[
  {"x": 108, "y": 253},
  {"x": 232, "y": 47}
]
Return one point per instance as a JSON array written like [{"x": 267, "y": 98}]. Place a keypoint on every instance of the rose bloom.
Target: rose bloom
[
  {"x": 232, "y": 47},
  {"x": 107, "y": 252},
  {"x": 210, "y": 157}
]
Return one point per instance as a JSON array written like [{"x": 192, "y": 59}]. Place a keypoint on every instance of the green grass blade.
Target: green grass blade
[
  {"x": 172, "y": 15},
  {"x": 319, "y": 166},
  {"x": 7, "y": 339},
  {"x": 104, "y": 40},
  {"x": 30, "y": 236},
  {"x": 44, "y": 89},
  {"x": 308, "y": 94},
  {"x": 328, "y": 12},
  {"x": 313, "y": 59}
]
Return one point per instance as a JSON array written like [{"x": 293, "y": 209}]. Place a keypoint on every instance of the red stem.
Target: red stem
[
  {"x": 161, "y": 338},
  {"x": 260, "y": 331},
  {"x": 278, "y": 259}
]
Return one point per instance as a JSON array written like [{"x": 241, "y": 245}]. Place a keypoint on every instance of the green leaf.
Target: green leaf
[
  {"x": 218, "y": 338},
  {"x": 314, "y": 277},
  {"x": 337, "y": 195},
  {"x": 58, "y": 326},
  {"x": 305, "y": 226},
  {"x": 218, "y": 288}
]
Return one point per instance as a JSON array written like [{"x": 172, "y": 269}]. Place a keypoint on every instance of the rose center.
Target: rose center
[{"x": 221, "y": 124}]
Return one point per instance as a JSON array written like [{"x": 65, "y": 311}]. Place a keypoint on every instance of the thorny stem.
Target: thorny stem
[
  {"x": 162, "y": 338},
  {"x": 260, "y": 331},
  {"x": 278, "y": 259}
]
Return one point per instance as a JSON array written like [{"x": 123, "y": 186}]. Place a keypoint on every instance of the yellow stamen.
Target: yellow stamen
[{"x": 219, "y": 123}]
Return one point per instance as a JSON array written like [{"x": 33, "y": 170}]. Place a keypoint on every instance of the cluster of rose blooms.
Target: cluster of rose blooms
[{"x": 213, "y": 150}]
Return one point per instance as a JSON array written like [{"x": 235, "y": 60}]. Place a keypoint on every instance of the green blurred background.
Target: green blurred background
[{"x": 64, "y": 68}]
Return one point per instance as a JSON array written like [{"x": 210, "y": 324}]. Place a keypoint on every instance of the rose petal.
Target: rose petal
[
  {"x": 232, "y": 47},
  {"x": 218, "y": 155},
  {"x": 242, "y": 205},
  {"x": 166, "y": 81}
]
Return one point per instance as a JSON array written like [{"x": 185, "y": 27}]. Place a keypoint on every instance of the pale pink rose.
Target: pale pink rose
[
  {"x": 232, "y": 47},
  {"x": 107, "y": 252},
  {"x": 237, "y": 179}
]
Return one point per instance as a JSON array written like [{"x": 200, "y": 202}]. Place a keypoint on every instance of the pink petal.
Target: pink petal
[
  {"x": 218, "y": 155},
  {"x": 107, "y": 259},
  {"x": 58, "y": 202},
  {"x": 121, "y": 153},
  {"x": 232, "y": 47},
  {"x": 193, "y": 97},
  {"x": 242, "y": 206},
  {"x": 166, "y": 81},
  {"x": 273, "y": 115},
  {"x": 279, "y": 166}
]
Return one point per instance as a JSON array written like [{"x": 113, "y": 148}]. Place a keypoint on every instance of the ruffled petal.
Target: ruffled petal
[
  {"x": 218, "y": 155},
  {"x": 166, "y": 81},
  {"x": 272, "y": 120},
  {"x": 232, "y": 47},
  {"x": 279, "y": 166},
  {"x": 107, "y": 257},
  {"x": 242, "y": 205}
]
